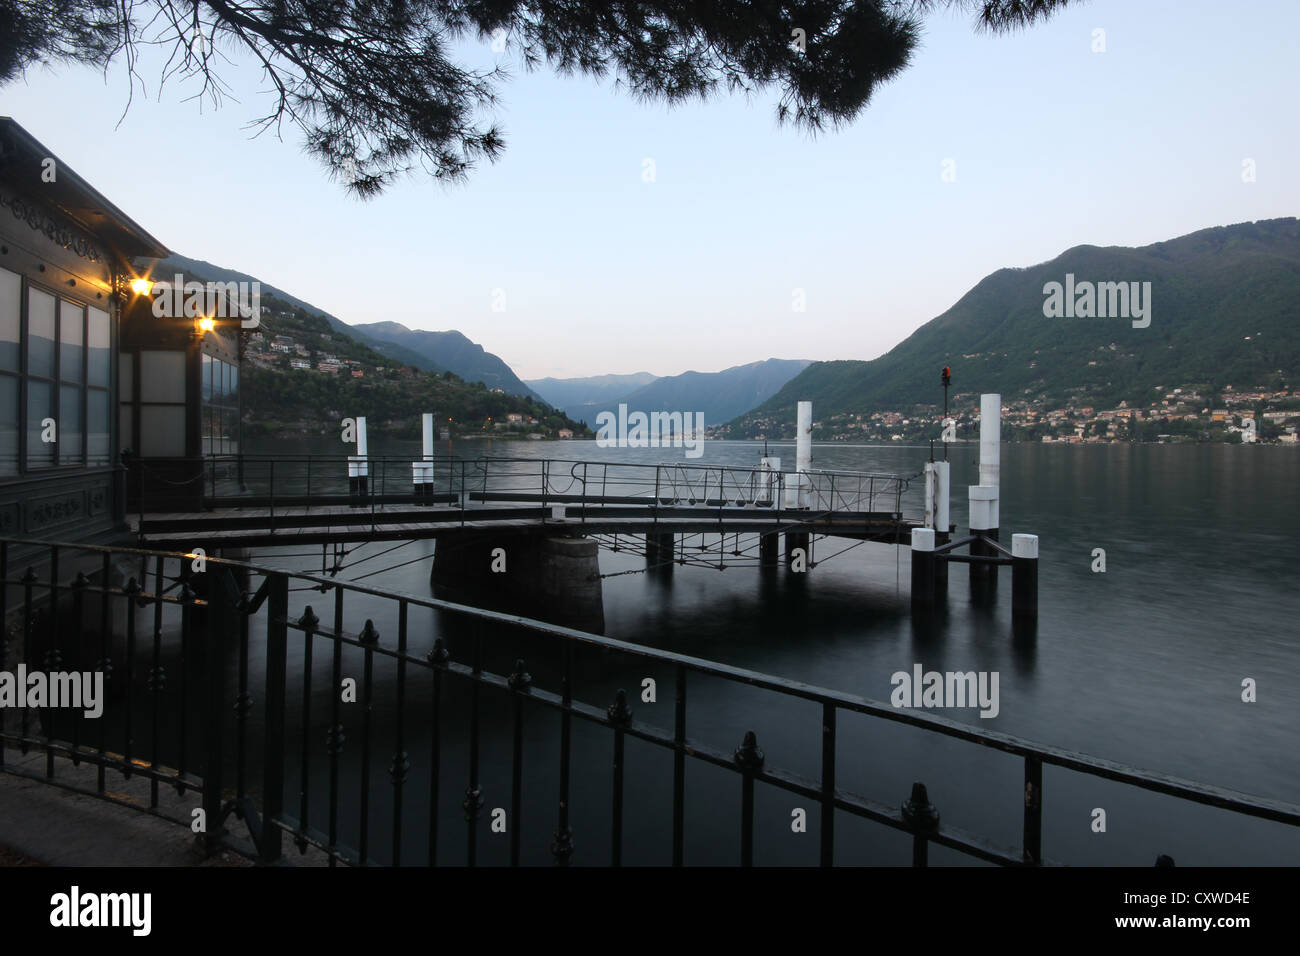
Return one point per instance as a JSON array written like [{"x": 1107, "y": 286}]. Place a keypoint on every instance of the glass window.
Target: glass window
[
  {"x": 11, "y": 303},
  {"x": 162, "y": 378},
  {"x": 70, "y": 425},
  {"x": 98, "y": 341},
  {"x": 40, "y": 406},
  {"x": 40, "y": 333},
  {"x": 207, "y": 378},
  {"x": 72, "y": 336},
  {"x": 8, "y": 425},
  {"x": 98, "y": 448},
  {"x": 207, "y": 431},
  {"x": 234, "y": 385},
  {"x": 228, "y": 428},
  {"x": 124, "y": 427},
  {"x": 126, "y": 377},
  {"x": 162, "y": 431}
]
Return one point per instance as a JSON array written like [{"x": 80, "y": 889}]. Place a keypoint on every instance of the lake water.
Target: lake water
[{"x": 1142, "y": 664}]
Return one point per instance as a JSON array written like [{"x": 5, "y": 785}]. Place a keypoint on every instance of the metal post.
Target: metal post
[
  {"x": 1033, "y": 838},
  {"x": 1024, "y": 575},
  {"x": 218, "y": 622},
  {"x": 923, "y": 562},
  {"x": 277, "y": 642}
]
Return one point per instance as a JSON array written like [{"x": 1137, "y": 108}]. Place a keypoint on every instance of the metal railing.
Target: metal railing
[
  {"x": 306, "y": 481},
  {"x": 218, "y": 652}
]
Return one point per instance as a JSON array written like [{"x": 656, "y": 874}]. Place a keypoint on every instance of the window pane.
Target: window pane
[
  {"x": 224, "y": 390},
  {"x": 8, "y": 425},
  {"x": 98, "y": 341},
  {"x": 230, "y": 427},
  {"x": 124, "y": 429},
  {"x": 70, "y": 425},
  {"x": 234, "y": 385},
  {"x": 162, "y": 431},
  {"x": 126, "y": 377},
  {"x": 72, "y": 336},
  {"x": 40, "y": 333},
  {"x": 98, "y": 448},
  {"x": 40, "y": 406},
  {"x": 162, "y": 378},
  {"x": 11, "y": 301},
  {"x": 207, "y": 431},
  {"x": 207, "y": 379}
]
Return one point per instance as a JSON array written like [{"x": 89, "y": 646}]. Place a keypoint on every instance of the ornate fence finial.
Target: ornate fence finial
[
  {"x": 748, "y": 756},
  {"x": 520, "y": 680},
  {"x": 918, "y": 812},
  {"x": 619, "y": 712}
]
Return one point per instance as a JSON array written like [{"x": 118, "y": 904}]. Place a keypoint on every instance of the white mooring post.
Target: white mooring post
[
  {"x": 937, "y": 484},
  {"x": 929, "y": 494},
  {"x": 422, "y": 470},
  {"x": 984, "y": 505},
  {"x": 799, "y": 493},
  {"x": 358, "y": 466},
  {"x": 767, "y": 481},
  {"x": 1024, "y": 575},
  {"x": 923, "y": 563}
]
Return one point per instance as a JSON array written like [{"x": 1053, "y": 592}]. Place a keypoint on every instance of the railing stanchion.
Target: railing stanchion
[
  {"x": 401, "y": 765},
  {"x": 1033, "y": 840},
  {"x": 922, "y": 819},
  {"x": 217, "y": 624},
  {"x": 750, "y": 760},
  {"x": 473, "y": 801},
  {"x": 308, "y": 623},
  {"x": 828, "y": 785},
  {"x": 438, "y": 657},
  {"x": 518, "y": 682},
  {"x": 562, "y": 847},
  {"x": 679, "y": 768},
  {"x": 335, "y": 737},
  {"x": 369, "y": 637},
  {"x": 619, "y": 716},
  {"x": 277, "y": 645}
]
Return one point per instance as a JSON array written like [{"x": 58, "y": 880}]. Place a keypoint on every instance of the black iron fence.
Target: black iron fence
[
  {"x": 265, "y": 481},
  {"x": 211, "y": 665}
]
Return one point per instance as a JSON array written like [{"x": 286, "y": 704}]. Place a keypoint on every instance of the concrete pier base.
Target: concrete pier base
[
  {"x": 552, "y": 579},
  {"x": 793, "y": 540},
  {"x": 941, "y": 567},
  {"x": 660, "y": 551}
]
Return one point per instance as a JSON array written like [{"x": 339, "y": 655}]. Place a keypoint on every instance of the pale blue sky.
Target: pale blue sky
[{"x": 1054, "y": 145}]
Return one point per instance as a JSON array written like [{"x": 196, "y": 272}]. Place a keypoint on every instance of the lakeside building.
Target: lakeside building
[{"x": 93, "y": 384}]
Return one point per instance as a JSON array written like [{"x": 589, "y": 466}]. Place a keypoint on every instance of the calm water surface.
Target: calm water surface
[{"x": 1142, "y": 664}]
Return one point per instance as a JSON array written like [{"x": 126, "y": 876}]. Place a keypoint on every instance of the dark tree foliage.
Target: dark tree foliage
[{"x": 372, "y": 88}]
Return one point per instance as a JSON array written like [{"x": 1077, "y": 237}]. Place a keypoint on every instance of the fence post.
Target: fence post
[
  {"x": 218, "y": 623},
  {"x": 1033, "y": 839},
  {"x": 922, "y": 819},
  {"x": 277, "y": 641}
]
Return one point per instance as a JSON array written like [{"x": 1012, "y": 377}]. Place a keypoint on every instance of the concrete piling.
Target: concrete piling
[
  {"x": 923, "y": 567},
  {"x": 1024, "y": 575}
]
